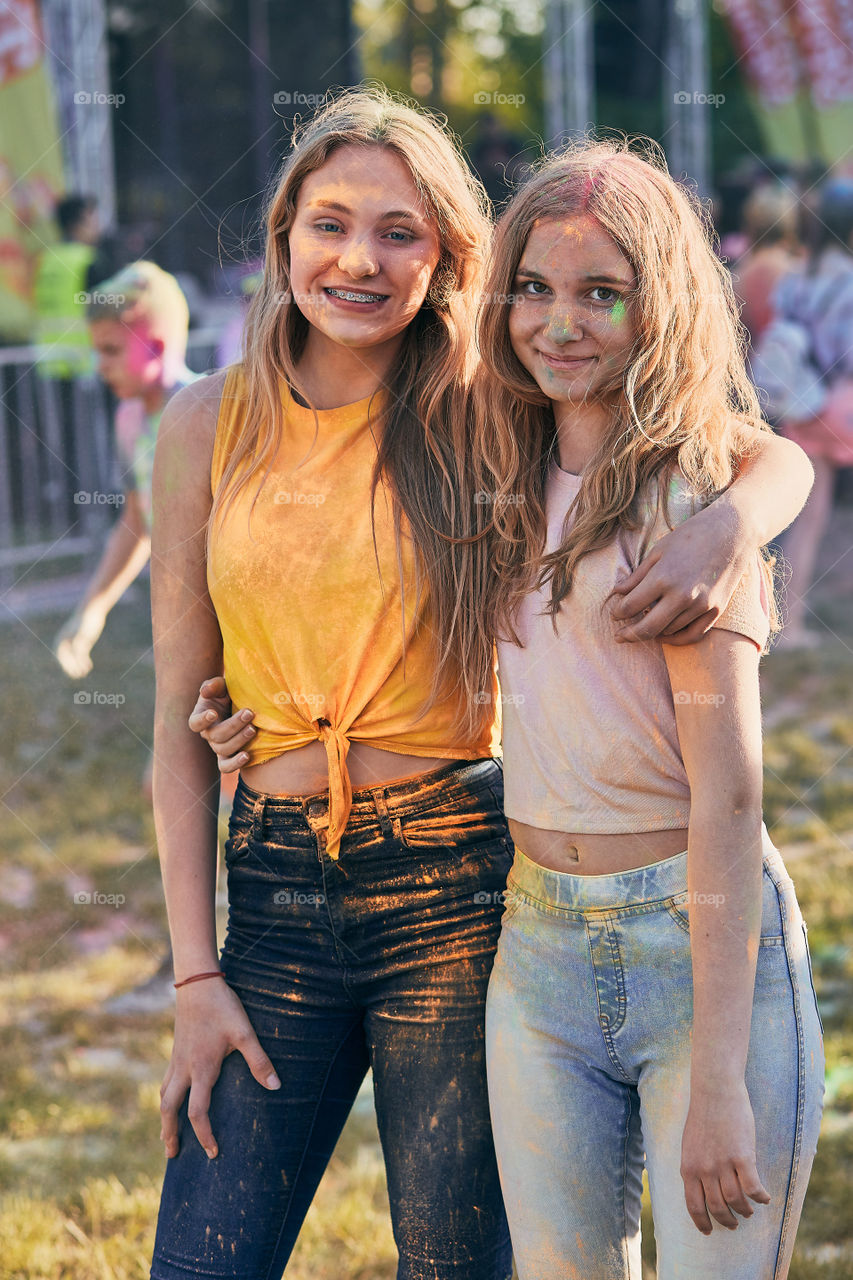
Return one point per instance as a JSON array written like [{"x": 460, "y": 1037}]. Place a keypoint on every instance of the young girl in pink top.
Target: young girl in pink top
[{"x": 651, "y": 997}]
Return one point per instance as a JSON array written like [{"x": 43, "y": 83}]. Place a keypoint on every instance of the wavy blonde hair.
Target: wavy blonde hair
[
  {"x": 425, "y": 438},
  {"x": 684, "y": 399}
]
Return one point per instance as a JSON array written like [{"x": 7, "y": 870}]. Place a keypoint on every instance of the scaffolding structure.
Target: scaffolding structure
[
  {"x": 569, "y": 70},
  {"x": 76, "y": 38}
]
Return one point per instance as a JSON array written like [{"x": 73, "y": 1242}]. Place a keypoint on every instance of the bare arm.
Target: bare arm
[
  {"x": 125, "y": 556},
  {"x": 689, "y": 577},
  {"x": 210, "y": 1021},
  {"x": 715, "y": 686}
]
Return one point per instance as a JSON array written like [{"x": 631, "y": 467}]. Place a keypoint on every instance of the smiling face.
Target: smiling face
[
  {"x": 571, "y": 325},
  {"x": 363, "y": 247}
]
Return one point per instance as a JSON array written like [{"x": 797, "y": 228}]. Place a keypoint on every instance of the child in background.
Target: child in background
[{"x": 138, "y": 322}]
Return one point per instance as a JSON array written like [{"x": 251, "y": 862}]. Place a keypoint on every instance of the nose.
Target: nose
[
  {"x": 357, "y": 259},
  {"x": 562, "y": 327}
]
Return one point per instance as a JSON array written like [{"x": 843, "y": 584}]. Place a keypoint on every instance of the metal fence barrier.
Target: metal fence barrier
[{"x": 59, "y": 473}]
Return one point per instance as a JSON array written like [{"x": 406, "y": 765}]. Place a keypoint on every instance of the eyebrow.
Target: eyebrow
[
  {"x": 392, "y": 215},
  {"x": 590, "y": 275}
]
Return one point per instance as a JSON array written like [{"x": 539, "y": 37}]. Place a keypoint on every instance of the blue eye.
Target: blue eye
[
  {"x": 321, "y": 226},
  {"x": 404, "y": 235}
]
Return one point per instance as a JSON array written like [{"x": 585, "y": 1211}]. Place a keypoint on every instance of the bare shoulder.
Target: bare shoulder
[
  {"x": 193, "y": 411},
  {"x": 187, "y": 432}
]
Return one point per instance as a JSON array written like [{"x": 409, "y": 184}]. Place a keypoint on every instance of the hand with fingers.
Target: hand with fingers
[
  {"x": 685, "y": 582},
  {"x": 210, "y": 1023},
  {"x": 228, "y": 735},
  {"x": 75, "y": 640},
  {"x": 718, "y": 1164}
]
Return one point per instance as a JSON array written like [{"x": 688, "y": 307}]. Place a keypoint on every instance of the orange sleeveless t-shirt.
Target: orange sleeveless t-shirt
[{"x": 313, "y": 612}]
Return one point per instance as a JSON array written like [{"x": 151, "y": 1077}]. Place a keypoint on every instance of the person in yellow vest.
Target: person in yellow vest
[{"x": 62, "y": 281}]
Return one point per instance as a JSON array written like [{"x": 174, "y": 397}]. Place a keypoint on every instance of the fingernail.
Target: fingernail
[
  {"x": 210, "y": 715},
  {"x": 246, "y": 715},
  {"x": 273, "y": 1081},
  {"x": 244, "y": 759},
  {"x": 212, "y": 1153}
]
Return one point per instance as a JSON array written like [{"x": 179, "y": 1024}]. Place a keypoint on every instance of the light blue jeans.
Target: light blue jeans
[{"x": 588, "y": 1025}]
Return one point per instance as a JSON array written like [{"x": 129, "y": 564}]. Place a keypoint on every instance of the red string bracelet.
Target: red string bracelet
[{"x": 199, "y": 977}]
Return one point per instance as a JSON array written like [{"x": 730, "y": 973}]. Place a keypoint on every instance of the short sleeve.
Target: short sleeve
[{"x": 748, "y": 611}]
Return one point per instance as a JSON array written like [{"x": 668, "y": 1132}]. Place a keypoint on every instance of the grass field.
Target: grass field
[{"x": 80, "y": 1160}]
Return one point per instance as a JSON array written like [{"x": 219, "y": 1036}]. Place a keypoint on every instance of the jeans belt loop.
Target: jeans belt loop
[
  {"x": 258, "y": 819},
  {"x": 381, "y": 806}
]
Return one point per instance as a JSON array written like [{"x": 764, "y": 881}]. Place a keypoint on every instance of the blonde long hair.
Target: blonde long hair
[
  {"x": 684, "y": 400},
  {"x": 425, "y": 438}
]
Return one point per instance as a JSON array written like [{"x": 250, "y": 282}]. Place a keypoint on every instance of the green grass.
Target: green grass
[{"x": 80, "y": 1159}]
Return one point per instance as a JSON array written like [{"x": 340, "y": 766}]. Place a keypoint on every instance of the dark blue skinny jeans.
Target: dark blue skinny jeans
[{"x": 379, "y": 959}]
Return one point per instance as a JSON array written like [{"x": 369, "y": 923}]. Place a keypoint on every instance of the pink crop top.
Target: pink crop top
[{"x": 589, "y": 734}]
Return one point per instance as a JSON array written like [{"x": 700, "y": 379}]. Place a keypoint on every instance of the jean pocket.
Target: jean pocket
[
  {"x": 236, "y": 848},
  {"x": 772, "y": 934},
  {"x": 459, "y": 832}
]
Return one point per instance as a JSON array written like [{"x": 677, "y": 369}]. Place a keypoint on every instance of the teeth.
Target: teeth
[{"x": 356, "y": 297}]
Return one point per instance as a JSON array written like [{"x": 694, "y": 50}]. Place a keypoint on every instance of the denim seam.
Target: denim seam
[
  {"x": 274, "y": 1275},
  {"x": 798, "y": 1134},
  {"x": 626, "y": 1254},
  {"x": 603, "y": 1019}
]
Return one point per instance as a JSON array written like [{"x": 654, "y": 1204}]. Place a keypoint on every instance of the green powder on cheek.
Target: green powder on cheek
[{"x": 617, "y": 315}]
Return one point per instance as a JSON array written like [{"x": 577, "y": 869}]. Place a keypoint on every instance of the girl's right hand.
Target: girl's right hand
[
  {"x": 210, "y": 1023},
  {"x": 718, "y": 1159},
  {"x": 227, "y": 734}
]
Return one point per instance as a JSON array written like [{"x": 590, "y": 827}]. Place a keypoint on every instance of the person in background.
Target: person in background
[
  {"x": 819, "y": 298},
  {"x": 62, "y": 275},
  {"x": 139, "y": 333},
  {"x": 770, "y": 218},
  {"x": 138, "y": 324}
]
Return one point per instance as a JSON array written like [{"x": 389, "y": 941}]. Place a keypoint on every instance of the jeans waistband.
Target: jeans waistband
[
  {"x": 653, "y": 883},
  {"x": 369, "y": 803}
]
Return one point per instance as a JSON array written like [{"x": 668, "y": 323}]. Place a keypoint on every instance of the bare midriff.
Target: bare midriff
[
  {"x": 589, "y": 854},
  {"x": 304, "y": 771}
]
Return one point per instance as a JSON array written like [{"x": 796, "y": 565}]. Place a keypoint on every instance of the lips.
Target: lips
[
  {"x": 564, "y": 362},
  {"x": 355, "y": 295}
]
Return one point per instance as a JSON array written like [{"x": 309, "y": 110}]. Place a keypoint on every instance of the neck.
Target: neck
[
  {"x": 580, "y": 430},
  {"x": 154, "y": 397},
  {"x": 332, "y": 375}
]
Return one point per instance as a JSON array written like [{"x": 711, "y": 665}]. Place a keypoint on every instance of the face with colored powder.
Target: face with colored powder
[
  {"x": 571, "y": 323},
  {"x": 363, "y": 247},
  {"x": 130, "y": 359}
]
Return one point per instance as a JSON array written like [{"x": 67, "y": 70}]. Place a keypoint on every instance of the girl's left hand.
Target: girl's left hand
[
  {"x": 718, "y": 1165},
  {"x": 686, "y": 580}
]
